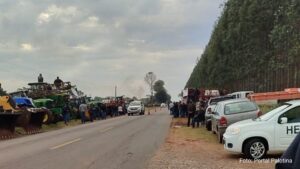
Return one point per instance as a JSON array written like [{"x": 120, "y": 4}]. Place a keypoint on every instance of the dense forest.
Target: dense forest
[{"x": 255, "y": 45}]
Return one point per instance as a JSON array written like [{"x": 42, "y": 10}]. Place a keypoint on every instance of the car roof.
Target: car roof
[
  {"x": 242, "y": 92},
  {"x": 220, "y": 97},
  {"x": 294, "y": 102},
  {"x": 234, "y": 101}
]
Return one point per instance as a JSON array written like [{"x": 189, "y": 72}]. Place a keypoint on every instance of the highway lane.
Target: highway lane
[{"x": 122, "y": 142}]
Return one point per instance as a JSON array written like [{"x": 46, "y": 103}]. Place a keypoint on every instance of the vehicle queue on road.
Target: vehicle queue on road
[{"x": 240, "y": 125}]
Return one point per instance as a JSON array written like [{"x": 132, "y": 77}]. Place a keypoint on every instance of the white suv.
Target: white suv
[{"x": 136, "y": 107}]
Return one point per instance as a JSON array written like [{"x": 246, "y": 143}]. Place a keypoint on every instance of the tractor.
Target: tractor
[
  {"x": 8, "y": 117},
  {"x": 32, "y": 118}
]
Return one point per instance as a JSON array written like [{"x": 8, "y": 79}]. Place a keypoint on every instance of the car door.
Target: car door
[
  {"x": 216, "y": 117},
  {"x": 213, "y": 118},
  {"x": 285, "y": 133}
]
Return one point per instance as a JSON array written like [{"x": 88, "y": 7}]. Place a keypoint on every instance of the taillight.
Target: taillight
[
  {"x": 223, "y": 121},
  {"x": 259, "y": 113}
]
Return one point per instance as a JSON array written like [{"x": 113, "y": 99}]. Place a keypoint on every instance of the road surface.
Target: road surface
[{"x": 118, "y": 143}]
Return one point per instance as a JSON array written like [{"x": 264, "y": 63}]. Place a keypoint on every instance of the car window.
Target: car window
[
  {"x": 216, "y": 100},
  {"x": 217, "y": 109},
  {"x": 293, "y": 115},
  {"x": 239, "y": 107},
  {"x": 271, "y": 113}
]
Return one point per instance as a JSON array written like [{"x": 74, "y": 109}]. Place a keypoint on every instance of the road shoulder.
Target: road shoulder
[{"x": 197, "y": 148}]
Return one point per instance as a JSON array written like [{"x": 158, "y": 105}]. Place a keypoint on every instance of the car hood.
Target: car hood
[
  {"x": 246, "y": 123},
  {"x": 134, "y": 107}
]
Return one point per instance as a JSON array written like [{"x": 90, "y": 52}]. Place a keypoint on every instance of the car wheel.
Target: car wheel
[
  {"x": 220, "y": 138},
  {"x": 255, "y": 149}
]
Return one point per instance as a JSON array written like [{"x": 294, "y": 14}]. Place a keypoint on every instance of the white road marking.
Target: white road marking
[
  {"x": 105, "y": 130},
  {"x": 66, "y": 143}
]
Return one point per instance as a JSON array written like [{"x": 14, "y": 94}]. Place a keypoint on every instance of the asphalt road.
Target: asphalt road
[{"x": 126, "y": 142}]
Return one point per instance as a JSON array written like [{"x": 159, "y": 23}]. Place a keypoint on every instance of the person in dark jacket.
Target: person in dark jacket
[
  {"x": 291, "y": 158},
  {"x": 66, "y": 113},
  {"x": 176, "y": 110},
  {"x": 191, "y": 112}
]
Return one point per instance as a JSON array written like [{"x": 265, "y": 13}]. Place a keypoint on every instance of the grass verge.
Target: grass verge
[{"x": 180, "y": 130}]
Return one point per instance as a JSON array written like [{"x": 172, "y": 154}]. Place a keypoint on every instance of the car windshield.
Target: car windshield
[
  {"x": 216, "y": 100},
  {"x": 271, "y": 113},
  {"x": 135, "y": 104},
  {"x": 240, "y": 107}
]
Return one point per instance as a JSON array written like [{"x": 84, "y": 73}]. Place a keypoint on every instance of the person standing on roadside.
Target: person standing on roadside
[
  {"x": 82, "y": 109},
  {"x": 191, "y": 112},
  {"x": 176, "y": 110},
  {"x": 202, "y": 114},
  {"x": 120, "y": 109},
  {"x": 66, "y": 113},
  {"x": 196, "y": 118},
  {"x": 171, "y": 105}
]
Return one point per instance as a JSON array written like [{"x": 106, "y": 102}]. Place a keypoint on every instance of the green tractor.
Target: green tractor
[
  {"x": 47, "y": 103},
  {"x": 55, "y": 104}
]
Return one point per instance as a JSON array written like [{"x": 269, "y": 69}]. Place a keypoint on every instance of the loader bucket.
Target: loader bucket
[
  {"x": 7, "y": 125},
  {"x": 31, "y": 120}
]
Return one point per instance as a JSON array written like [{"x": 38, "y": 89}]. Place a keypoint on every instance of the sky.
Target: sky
[{"x": 100, "y": 44}]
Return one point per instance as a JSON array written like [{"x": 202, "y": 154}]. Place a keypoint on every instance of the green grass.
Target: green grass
[
  {"x": 181, "y": 131},
  {"x": 196, "y": 134},
  {"x": 51, "y": 127},
  {"x": 60, "y": 125}
]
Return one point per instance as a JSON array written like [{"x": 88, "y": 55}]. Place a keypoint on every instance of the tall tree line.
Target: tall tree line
[{"x": 255, "y": 45}]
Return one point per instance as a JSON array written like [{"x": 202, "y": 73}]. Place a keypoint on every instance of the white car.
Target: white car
[
  {"x": 136, "y": 107},
  {"x": 163, "y": 105},
  {"x": 241, "y": 94},
  {"x": 270, "y": 133}
]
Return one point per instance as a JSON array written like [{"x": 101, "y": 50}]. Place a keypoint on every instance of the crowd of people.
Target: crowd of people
[
  {"x": 91, "y": 112},
  {"x": 194, "y": 111}
]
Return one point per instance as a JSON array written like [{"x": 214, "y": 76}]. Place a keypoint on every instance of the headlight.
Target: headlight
[{"x": 233, "y": 130}]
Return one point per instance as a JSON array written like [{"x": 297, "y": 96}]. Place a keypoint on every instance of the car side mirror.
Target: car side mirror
[{"x": 283, "y": 120}]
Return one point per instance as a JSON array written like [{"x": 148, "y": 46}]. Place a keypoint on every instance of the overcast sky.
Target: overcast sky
[{"x": 97, "y": 44}]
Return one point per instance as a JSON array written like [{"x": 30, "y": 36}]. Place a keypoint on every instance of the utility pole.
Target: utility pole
[{"x": 116, "y": 92}]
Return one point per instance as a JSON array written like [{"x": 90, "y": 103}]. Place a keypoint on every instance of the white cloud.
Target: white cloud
[
  {"x": 92, "y": 22},
  {"x": 82, "y": 47},
  {"x": 60, "y": 13},
  {"x": 97, "y": 45},
  {"x": 27, "y": 47}
]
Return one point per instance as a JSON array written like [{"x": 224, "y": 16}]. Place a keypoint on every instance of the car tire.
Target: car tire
[
  {"x": 255, "y": 149},
  {"x": 220, "y": 138}
]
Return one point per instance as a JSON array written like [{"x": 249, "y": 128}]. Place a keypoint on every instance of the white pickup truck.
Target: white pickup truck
[{"x": 271, "y": 133}]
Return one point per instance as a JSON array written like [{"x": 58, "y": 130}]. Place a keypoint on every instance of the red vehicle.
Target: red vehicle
[
  {"x": 192, "y": 94},
  {"x": 279, "y": 96}
]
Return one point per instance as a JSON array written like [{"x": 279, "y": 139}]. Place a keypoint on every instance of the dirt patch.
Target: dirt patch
[{"x": 199, "y": 149}]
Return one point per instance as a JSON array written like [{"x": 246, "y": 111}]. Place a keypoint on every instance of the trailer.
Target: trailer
[{"x": 276, "y": 97}]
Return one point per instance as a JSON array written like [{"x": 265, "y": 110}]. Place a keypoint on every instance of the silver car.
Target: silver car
[
  {"x": 231, "y": 111},
  {"x": 211, "y": 104}
]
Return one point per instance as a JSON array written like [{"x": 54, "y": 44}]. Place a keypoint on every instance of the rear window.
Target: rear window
[
  {"x": 215, "y": 101},
  {"x": 240, "y": 107}
]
